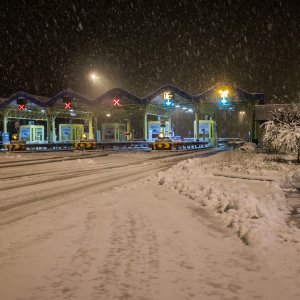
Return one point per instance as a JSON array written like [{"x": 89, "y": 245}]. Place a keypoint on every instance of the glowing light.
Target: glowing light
[
  {"x": 21, "y": 106},
  {"x": 116, "y": 102},
  {"x": 224, "y": 93},
  {"x": 94, "y": 77},
  {"x": 161, "y": 135},
  {"x": 15, "y": 136},
  {"x": 223, "y": 100},
  {"x": 84, "y": 136},
  {"x": 167, "y": 95},
  {"x": 67, "y": 105},
  {"x": 108, "y": 115},
  {"x": 224, "y": 97}
]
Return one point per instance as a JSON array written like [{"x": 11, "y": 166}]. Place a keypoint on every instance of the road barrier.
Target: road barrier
[{"x": 89, "y": 145}]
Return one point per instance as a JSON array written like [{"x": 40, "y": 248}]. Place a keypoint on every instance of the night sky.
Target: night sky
[{"x": 142, "y": 45}]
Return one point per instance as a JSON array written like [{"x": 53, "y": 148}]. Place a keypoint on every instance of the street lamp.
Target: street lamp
[{"x": 94, "y": 77}]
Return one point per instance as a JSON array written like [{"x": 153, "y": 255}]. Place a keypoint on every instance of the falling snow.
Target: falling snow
[{"x": 51, "y": 46}]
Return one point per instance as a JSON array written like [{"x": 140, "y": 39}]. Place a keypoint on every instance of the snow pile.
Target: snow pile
[
  {"x": 255, "y": 210},
  {"x": 292, "y": 180},
  {"x": 248, "y": 147}
]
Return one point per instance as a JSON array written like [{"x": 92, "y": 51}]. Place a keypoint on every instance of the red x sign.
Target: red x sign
[
  {"x": 67, "y": 105},
  {"x": 21, "y": 106},
  {"x": 116, "y": 102}
]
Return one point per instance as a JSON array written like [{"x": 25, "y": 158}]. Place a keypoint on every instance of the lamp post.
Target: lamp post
[{"x": 94, "y": 77}]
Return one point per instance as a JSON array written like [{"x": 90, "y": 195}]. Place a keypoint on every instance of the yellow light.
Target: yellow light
[
  {"x": 167, "y": 95},
  {"x": 84, "y": 136},
  {"x": 224, "y": 93},
  {"x": 161, "y": 135},
  {"x": 15, "y": 136}
]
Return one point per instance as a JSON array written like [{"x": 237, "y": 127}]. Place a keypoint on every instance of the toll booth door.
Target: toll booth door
[
  {"x": 77, "y": 132},
  {"x": 66, "y": 133},
  {"x": 25, "y": 134},
  {"x": 38, "y": 134}
]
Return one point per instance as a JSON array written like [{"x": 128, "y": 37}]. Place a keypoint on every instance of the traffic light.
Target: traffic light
[
  {"x": 67, "y": 103},
  {"x": 21, "y": 104}
]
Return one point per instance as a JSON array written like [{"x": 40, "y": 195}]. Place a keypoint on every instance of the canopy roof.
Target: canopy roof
[{"x": 185, "y": 97}]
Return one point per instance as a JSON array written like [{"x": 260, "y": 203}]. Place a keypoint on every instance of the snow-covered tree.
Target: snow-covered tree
[{"x": 282, "y": 131}]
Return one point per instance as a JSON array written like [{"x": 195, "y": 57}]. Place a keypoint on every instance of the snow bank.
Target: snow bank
[
  {"x": 255, "y": 210},
  {"x": 292, "y": 180},
  {"x": 247, "y": 147}
]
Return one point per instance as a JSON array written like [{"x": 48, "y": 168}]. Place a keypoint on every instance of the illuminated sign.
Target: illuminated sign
[
  {"x": 21, "y": 107},
  {"x": 21, "y": 104},
  {"x": 67, "y": 105},
  {"x": 117, "y": 102},
  {"x": 224, "y": 101},
  {"x": 168, "y": 96},
  {"x": 224, "y": 94}
]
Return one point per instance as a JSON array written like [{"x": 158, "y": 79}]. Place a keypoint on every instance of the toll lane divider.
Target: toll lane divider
[{"x": 89, "y": 145}]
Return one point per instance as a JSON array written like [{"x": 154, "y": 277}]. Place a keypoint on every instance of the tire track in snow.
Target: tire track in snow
[
  {"x": 129, "y": 267},
  {"x": 21, "y": 203},
  {"x": 52, "y": 197}
]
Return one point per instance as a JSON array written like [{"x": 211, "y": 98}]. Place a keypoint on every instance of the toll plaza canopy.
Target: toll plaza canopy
[{"x": 121, "y": 115}]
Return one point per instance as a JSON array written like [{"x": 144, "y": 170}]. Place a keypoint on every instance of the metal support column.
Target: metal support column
[
  {"x": 91, "y": 134},
  {"x": 170, "y": 127},
  {"x": 254, "y": 126},
  {"x": 128, "y": 129},
  {"x": 196, "y": 134},
  {"x": 95, "y": 127},
  {"x": 4, "y": 122},
  {"x": 53, "y": 129},
  {"x": 146, "y": 126},
  {"x": 48, "y": 129}
]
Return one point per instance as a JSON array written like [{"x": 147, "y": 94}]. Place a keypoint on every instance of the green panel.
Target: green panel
[
  {"x": 113, "y": 132},
  {"x": 206, "y": 130},
  {"x": 70, "y": 132}
]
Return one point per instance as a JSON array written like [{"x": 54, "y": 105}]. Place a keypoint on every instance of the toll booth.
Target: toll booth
[
  {"x": 32, "y": 133},
  {"x": 113, "y": 132},
  {"x": 4, "y": 138},
  {"x": 207, "y": 131},
  {"x": 155, "y": 127},
  {"x": 70, "y": 132}
]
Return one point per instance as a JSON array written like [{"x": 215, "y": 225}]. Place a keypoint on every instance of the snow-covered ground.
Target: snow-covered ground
[
  {"x": 245, "y": 190},
  {"x": 122, "y": 226}
]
